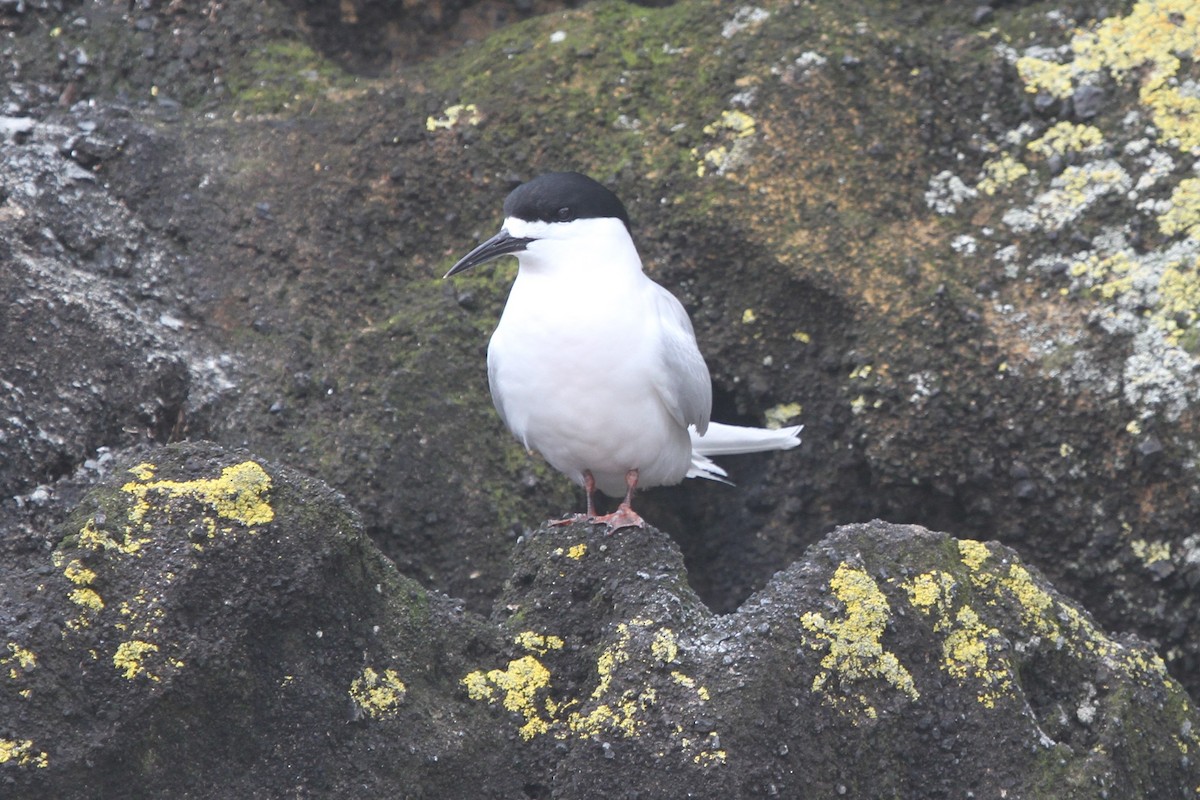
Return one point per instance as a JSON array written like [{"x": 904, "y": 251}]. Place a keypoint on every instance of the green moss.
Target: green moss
[
  {"x": 282, "y": 76},
  {"x": 618, "y": 70},
  {"x": 1189, "y": 341}
]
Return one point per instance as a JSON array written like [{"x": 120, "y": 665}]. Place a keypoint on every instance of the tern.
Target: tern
[{"x": 593, "y": 364}]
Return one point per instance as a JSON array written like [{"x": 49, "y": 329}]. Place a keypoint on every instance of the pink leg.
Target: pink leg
[
  {"x": 589, "y": 486},
  {"x": 624, "y": 516}
]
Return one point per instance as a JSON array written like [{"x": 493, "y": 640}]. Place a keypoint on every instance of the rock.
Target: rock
[
  {"x": 284, "y": 213},
  {"x": 1088, "y": 101},
  {"x": 88, "y": 361},
  {"x": 205, "y": 607},
  {"x": 890, "y": 661},
  {"x": 1003, "y": 285},
  {"x": 211, "y": 624}
]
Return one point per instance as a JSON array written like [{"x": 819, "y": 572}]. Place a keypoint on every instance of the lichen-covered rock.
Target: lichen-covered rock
[
  {"x": 958, "y": 244},
  {"x": 93, "y": 351},
  {"x": 78, "y": 365},
  {"x": 891, "y": 661},
  {"x": 212, "y": 625},
  {"x": 209, "y": 624}
]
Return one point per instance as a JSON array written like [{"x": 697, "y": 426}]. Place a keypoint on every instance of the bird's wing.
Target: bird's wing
[
  {"x": 497, "y": 401},
  {"x": 682, "y": 381}
]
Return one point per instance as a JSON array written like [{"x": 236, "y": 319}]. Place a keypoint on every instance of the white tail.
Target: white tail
[{"x": 722, "y": 439}]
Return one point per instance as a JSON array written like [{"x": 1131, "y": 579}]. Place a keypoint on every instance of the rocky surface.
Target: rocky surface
[
  {"x": 958, "y": 244},
  {"x": 211, "y": 625},
  {"x": 208, "y": 628}
]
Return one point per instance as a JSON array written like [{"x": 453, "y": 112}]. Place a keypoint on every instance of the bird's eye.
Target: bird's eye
[{"x": 564, "y": 214}]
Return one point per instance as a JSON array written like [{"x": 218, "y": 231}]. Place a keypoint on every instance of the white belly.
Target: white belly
[{"x": 572, "y": 379}]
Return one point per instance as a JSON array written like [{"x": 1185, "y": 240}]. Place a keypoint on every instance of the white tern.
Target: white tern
[{"x": 593, "y": 364}]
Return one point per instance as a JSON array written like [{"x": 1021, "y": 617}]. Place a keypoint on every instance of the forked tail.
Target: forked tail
[{"x": 722, "y": 439}]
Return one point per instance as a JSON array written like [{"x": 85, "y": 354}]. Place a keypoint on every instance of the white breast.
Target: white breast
[{"x": 574, "y": 365}]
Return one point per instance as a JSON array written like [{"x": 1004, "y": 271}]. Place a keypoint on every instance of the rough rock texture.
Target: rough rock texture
[
  {"x": 959, "y": 244},
  {"x": 211, "y": 625},
  {"x": 896, "y": 232},
  {"x": 83, "y": 360}
]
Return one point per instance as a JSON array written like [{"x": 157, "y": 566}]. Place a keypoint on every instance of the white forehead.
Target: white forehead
[{"x": 592, "y": 226}]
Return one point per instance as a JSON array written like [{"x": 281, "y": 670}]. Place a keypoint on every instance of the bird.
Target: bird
[{"x": 593, "y": 364}]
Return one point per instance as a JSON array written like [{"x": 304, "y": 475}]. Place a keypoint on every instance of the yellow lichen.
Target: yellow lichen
[
  {"x": 1179, "y": 296},
  {"x": 465, "y": 114},
  {"x": 1147, "y": 46},
  {"x": 1110, "y": 275},
  {"x": 1067, "y": 137},
  {"x": 524, "y": 687},
  {"x": 130, "y": 658},
  {"x": 1078, "y": 186},
  {"x": 19, "y": 661},
  {"x": 664, "y": 647},
  {"x": 966, "y": 656},
  {"x": 1068, "y": 628},
  {"x": 1146, "y": 50},
  {"x": 739, "y": 123},
  {"x": 537, "y": 643},
  {"x": 973, "y": 553},
  {"x": 1000, "y": 172},
  {"x": 965, "y": 649},
  {"x": 22, "y": 753},
  {"x": 24, "y": 658},
  {"x": 238, "y": 494},
  {"x": 929, "y": 589},
  {"x": 734, "y": 130},
  {"x": 378, "y": 695},
  {"x": 853, "y": 642},
  {"x": 613, "y": 656},
  {"x": 1151, "y": 552},
  {"x": 77, "y": 573},
  {"x": 683, "y": 680},
  {"x": 519, "y": 685},
  {"x": 1039, "y": 75},
  {"x": 1035, "y": 602},
  {"x": 780, "y": 415},
  {"x": 622, "y": 716},
  {"x": 88, "y": 598},
  {"x": 143, "y": 471},
  {"x": 1183, "y": 214},
  {"x": 577, "y": 551},
  {"x": 99, "y": 540}
]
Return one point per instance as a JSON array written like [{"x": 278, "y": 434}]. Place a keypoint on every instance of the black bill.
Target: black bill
[{"x": 502, "y": 244}]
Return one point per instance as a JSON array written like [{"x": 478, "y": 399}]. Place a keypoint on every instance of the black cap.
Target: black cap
[{"x": 563, "y": 197}]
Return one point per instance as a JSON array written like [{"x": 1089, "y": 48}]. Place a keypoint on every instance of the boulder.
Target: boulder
[{"x": 211, "y": 624}]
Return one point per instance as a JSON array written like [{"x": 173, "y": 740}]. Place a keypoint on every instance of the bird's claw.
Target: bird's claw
[
  {"x": 570, "y": 519},
  {"x": 623, "y": 517}
]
